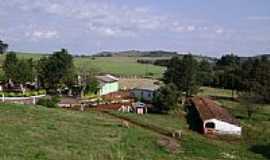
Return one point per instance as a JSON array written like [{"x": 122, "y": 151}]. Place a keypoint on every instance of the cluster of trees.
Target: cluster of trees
[
  {"x": 250, "y": 79},
  {"x": 56, "y": 71},
  {"x": 53, "y": 73},
  {"x": 17, "y": 70}
]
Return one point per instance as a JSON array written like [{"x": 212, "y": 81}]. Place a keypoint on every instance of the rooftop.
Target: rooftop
[
  {"x": 208, "y": 109},
  {"x": 107, "y": 78}
]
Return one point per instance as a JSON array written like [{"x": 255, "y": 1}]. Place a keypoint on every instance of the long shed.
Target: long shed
[{"x": 208, "y": 117}]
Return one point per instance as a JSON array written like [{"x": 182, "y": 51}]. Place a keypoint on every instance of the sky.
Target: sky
[{"x": 207, "y": 27}]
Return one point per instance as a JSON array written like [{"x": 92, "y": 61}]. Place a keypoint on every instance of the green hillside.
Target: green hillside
[{"x": 29, "y": 132}]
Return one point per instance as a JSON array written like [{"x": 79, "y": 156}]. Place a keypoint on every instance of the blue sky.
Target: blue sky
[{"x": 208, "y": 27}]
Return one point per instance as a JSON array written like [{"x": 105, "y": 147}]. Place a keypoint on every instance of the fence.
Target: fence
[{"x": 22, "y": 100}]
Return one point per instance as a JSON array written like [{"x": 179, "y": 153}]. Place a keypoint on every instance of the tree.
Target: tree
[
  {"x": 228, "y": 69},
  {"x": 205, "y": 73},
  {"x": 87, "y": 80},
  {"x": 255, "y": 75},
  {"x": 184, "y": 74},
  {"x": 167, "y": 98},
  {"x": 57, "y": 70},
  {"x": 250, "y": 101},
  {"x": 10, "y": 66},
  {"x": 3, "y": 47},
  {"x": 25, "y": 71}
]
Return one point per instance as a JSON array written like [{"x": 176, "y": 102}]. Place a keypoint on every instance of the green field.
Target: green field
[
  {"x": 120, "y": 66},
  {"x": 29, "y": 132}
]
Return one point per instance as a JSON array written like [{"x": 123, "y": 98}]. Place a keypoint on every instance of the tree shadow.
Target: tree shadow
[{"x": 264, "y": 150}]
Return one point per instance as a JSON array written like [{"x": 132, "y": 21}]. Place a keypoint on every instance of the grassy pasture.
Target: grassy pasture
[
  {"x": 121, "y": 66},
  {"x": 29, "y": 132}
]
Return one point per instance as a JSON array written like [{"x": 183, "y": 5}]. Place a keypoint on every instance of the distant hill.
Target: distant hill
[{"x": 135, "y": 53}]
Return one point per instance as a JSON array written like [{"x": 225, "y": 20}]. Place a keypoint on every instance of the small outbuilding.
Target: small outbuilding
[
  {"x": 140, "y": 108},
  {"x": 108, "y": 84},
  {"x": 207, "y": 117}
]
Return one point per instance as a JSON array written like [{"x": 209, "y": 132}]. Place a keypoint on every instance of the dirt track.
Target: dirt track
[{"x": 166, "y": 140}]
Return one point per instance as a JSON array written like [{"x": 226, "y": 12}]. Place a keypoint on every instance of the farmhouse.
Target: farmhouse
[
  {"x": 205, "y": 116},
  {"x": 145, "y": 93},
  {"x": 108, "y": 84}
]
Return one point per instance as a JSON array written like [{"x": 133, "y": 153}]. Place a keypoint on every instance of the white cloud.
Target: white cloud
[
  {"x": 42, "y": 34},
  {"x": 220, "y": 31},
  {"x": 191, "y": 28}
]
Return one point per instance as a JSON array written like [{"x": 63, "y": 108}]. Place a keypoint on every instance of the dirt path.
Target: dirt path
[{"x": 166, "y": 140}]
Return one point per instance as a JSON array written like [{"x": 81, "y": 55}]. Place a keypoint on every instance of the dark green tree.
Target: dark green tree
[
  {"x": 57, "y": 70},
  {"x": 184, "y": 74},
  {"x": 206, "y": 73},
  {"x": 25, "y": 71},
  {"x": 167, "y": 98},
  {"x": 10, "y": 66},
  {"x": 228, "y": 72},
  {"x": 3, "y": 47}
]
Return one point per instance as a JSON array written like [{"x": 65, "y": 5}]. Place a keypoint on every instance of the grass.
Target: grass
[
  {"x": 29, "y": 132},
  {"x": 39, "y": 133},
  {"x": 121, "y": 66}
]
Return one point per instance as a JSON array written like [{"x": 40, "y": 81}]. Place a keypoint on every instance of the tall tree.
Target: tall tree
[
  {"x": 206, "y": 73},
  {"x": 87, "y": 80},
  {"x": 25, "y": 71},
  {"x": 56, "y": 70},
  {"x": 228, "y": 68},
  {"x": 184, "y": 74},
  {"x": 3, "y": 47},
  {"x": 10, "y": 66},
  {"x": 167, "y": 98}
]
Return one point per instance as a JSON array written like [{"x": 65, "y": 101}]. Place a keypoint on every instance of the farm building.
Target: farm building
[
  {"x": 108, "y": 84},
  {"x": 140, "y": 108},
  {"x": 205, "y": 116},
  {"x": 145, "y": 93}
]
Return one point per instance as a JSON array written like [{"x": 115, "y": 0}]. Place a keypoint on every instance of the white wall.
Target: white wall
[{"x": 224, "y": 127}]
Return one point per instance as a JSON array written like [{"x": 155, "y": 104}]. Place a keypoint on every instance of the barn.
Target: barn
[{"x": 207, "y": 117}]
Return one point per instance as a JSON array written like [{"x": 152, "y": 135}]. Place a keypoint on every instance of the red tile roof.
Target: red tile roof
[{"x": 208, "y": 109}]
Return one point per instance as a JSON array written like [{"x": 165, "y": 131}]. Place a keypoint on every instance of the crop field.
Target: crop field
[{"x": 119, "y": 66}]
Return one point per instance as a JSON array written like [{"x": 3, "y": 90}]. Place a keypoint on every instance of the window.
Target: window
[{"x": 210, "y": 125}]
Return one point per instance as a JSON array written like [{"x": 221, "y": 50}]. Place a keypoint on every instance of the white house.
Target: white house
[
  {"x": 108, "y": 84},
  {"x": 145, "y": 93},
  {"x": 209, "y": 118}
]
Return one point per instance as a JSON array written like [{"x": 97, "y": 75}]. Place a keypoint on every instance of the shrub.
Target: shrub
[{"x": 50, "y": 103}]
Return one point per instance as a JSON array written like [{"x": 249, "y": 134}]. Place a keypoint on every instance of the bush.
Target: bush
[{"x": 50, "y": 103}]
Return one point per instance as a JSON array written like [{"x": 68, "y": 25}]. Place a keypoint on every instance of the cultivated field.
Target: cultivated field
[
  {"x": 120, "y": 66},
  {"x": 29, "y": 132}
]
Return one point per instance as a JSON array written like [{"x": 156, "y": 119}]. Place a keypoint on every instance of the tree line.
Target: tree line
[
  {"x": 249, "y": 79},
  {"x": 55, "y": 73}
]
